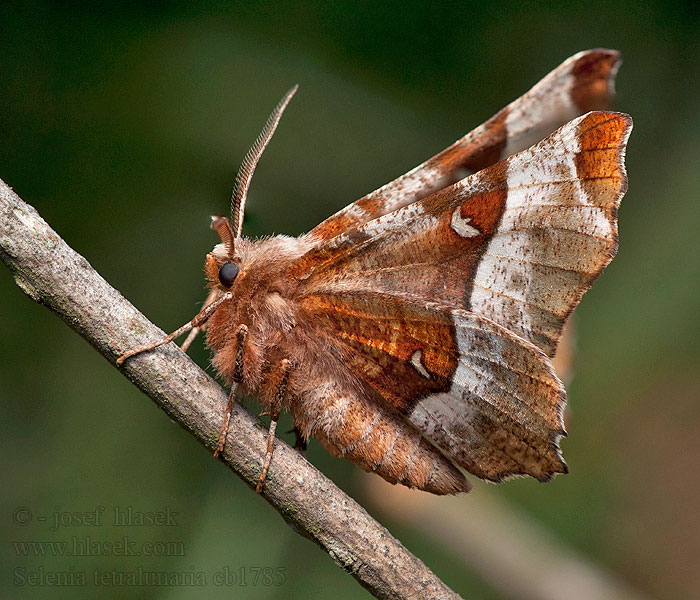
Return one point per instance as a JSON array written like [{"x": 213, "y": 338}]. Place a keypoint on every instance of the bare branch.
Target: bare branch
[{"x": 54, "y": 275}]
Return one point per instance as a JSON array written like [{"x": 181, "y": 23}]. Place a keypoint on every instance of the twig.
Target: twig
[{"x": 54, "y": 275}]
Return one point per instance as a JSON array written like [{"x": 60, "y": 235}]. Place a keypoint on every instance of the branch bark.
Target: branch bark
[{"x": 53, "y": 274}]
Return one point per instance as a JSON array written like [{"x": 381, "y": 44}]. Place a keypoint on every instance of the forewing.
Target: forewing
[
  {"x": 580, "y": 84},
  {"x": 518, "y": 242},
  {"x": 489, "y": 400}
]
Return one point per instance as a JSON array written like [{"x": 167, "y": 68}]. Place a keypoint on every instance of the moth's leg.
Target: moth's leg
[
  {"x": 191, "y": 337},
  {"x": 227, "y": 420},
  {"x": 241, "y": 335},
  {"x": 285, "y": 367},
  {"x": 299, "y": 442},
  {"x": 198, "y": 321},
  {"x": 196, "y": 330}
]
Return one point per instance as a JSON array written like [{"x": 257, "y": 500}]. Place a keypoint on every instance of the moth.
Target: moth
[{"x": 412, "y": 331}]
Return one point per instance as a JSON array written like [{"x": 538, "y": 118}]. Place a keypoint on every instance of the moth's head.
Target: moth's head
[{"x": 223, "y": 264}]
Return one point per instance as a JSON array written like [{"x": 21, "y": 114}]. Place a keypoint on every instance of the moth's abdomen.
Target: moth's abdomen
[{"x": 376, "y": 439}]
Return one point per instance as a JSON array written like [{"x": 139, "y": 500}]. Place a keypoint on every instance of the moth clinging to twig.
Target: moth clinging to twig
[{"x": 412, "y": 331}]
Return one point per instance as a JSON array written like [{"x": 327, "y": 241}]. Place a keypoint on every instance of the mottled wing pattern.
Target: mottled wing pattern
[
  {"x": 518, "y": 243},
  {"x": 582, "y": 83},
  {"x": 487, "y": 399}
]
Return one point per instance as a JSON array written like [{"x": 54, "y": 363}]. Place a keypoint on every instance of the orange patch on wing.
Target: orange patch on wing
[
  {"x": 592, "y": 73},
  {"x": 483, "y": 212},
  {"x": 602, "y": 137},
  {"x": 387, "y": 343}
]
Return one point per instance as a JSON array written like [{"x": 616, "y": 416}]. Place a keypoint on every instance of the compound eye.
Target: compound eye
[{"x": 227, "y": 274}]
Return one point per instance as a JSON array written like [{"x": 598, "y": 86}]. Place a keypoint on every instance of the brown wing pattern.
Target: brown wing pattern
[
  {"x": 518, "y": 242},
  {"x": 580, "y": 84},
  {"x": 487, "y": 399}
]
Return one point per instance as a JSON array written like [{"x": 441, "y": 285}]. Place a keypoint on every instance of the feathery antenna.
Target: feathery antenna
[{"x": 245, "y": 173}]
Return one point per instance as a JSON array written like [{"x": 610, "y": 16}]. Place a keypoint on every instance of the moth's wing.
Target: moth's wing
[
  {"x": 580, "y": 84},
  {"x": 489, "y": 400},
  {"x": 518, "y": 242}
]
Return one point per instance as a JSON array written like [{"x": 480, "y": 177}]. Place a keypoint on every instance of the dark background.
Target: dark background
[{"x": 124, "y": 127}]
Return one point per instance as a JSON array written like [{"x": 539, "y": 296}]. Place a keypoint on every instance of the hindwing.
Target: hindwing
[{"x": 489, "y": 400}]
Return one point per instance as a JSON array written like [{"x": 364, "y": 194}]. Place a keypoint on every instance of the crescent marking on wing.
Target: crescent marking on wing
[
  {"x": 461, "y": 225},
  {"x": 416, "y": 359}
]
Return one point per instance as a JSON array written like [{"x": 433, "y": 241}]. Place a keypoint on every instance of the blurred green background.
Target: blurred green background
[{"x": 124, "y": 126}]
